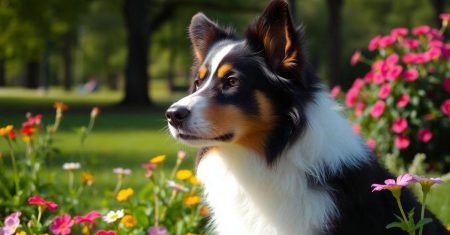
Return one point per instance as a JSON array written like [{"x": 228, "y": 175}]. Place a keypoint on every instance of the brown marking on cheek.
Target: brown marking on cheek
[
  {"x": 224, "y": 70},
  {"x": 252, "y": 130},
  {"x": 202, "y": 72}
]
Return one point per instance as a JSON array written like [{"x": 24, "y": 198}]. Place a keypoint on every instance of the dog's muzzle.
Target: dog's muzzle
[{"x": 176, "y": 115}]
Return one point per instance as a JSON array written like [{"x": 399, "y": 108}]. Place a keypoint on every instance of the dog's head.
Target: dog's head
[{"x": 249, "y": 92}]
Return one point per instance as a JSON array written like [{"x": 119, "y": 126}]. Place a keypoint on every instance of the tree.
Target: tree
[{"x": 334, "y": 43}]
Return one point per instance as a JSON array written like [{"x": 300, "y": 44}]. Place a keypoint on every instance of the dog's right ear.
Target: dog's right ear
[{"x": 203, "y": 33}]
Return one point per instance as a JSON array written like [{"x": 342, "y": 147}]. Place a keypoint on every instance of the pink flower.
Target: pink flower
[
  {"x": 33, "y": 121},
  {"x": 356, "y": 128},
  {"x": 103, "y": 232},
  {"x": 358, "y": 83},
  {"x": 11, "y": 224},
  {"x": 392, "y": 60},
  {"x": 403, "y": 101},
  {"x": 421, "y": 30},
  {"x": 371, "y": 143},
  {"x": 426, "y": 182},
  {"x": 447, "y": 84},
  {"x": 359, "y": 108},
  {"x": 411, "y": 75},
  {"x": 399, "y": 32},
  {"x": 335, "y": 91},
  {"x": 399, "y": 125},
  {"x": 62, "y": 225},
  {"x": 88, "y": 218},
  {"x": 409, "y": 58},
  {"x": 378, "y": 109},
  {"x": 355, "y": 57},
  {"x": 386, "y": 41},
  {"x": 446, "y": 51},
  {"x": 445, "y": 107},
  {"x": 410, "y": 43},
  {"x": 350, "y": 97},
  {"x": 422, "y": 58},
  {"x": 433, "y": 53},
  {"x": 149, "y": 166},
  {"x": 374, "y": 43},
  {"x": 445, "y": 16},
  {"x": 436, "y": 43},
  {"x": 158, "y": 230},
  {"x": 424, "y": 135},
  {"x": 385, "y": 90},
  {"x": 391, "y": 184},
  {"x": 401, "y": 142},
  {"x": 36, "y": 200},
  {"x": 394, "y": 72}
]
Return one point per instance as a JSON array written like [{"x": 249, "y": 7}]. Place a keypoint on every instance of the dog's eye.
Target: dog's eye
[{"x": 232, "y": 81}]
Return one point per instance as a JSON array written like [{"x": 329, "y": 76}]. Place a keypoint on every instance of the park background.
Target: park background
[{"x": 139, "y": 54}]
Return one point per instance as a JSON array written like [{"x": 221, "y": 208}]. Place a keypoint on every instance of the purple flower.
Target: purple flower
[
  {"x": 12, "y": 222},
  {"x": 426, "y": 182},
  {"x": 391, "y": 184},
  {"x": 157, "y": 230}
]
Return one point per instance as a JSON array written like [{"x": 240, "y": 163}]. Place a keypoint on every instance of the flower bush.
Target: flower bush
[
  {"x": 169, "y": 203},
  {"x": 402, "y": 104}
]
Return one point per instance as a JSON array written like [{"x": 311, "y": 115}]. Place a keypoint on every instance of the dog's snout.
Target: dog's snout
[{"x": 176, "y": 115}]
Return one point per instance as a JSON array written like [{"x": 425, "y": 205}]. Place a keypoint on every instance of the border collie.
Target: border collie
[{"x": 276, "y": 157}]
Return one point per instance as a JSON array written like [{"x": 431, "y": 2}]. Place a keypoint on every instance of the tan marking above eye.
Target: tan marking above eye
[
  {"x": 224, "y": 70},
  {"x": 202, "y": 72}
]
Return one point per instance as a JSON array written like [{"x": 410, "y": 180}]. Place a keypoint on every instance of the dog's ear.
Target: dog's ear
[
  {"x": 203, "y": 33},
  {"x": 274, "y": 35}
]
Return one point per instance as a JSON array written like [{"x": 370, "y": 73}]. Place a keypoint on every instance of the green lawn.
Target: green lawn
[{"x": 121, "y": 137}]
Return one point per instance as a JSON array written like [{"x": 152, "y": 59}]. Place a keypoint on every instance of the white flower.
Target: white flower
[
  {"x": 176, "y": 186},
  {"x": 71, "y": 166},
  {"x": 112, "y": 216},
  {"x": 122, "y": 171}
]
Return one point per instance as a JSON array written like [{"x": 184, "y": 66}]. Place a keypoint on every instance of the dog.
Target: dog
[{"x": 276, "y": 156}]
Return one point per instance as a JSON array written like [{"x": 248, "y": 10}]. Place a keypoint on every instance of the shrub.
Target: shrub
[{"x": 402, "y": 104}]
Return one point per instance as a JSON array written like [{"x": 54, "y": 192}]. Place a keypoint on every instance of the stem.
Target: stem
[
  {"x": 40, "y": 210},
  {"x": 119, "y": 184},
  {"x": 422, "y": 212},
  {"x": 399, "y": 204},
  {"x": 70, "y": 180},
  {"x": 13, "y": 160},
  {"x": 172, "y": 197},
  {"x": 155, "y": 196}
]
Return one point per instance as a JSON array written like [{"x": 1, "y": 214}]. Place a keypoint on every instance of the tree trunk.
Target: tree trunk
[
  {"x": 138, "y": 37},
  {"x": 67, "y": 63},
  {"x": 2, "y": 72},
  {"x": 334, "y": 44},
  {"x": 32, "y": 74},
  {"x": 170, "y": 70},
  {"x": 438, "y": 8}
]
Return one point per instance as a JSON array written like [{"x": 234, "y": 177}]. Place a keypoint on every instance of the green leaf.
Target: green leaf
[
  {"x": 395, "y": 225},
  {"x": 423, "y": 222}
]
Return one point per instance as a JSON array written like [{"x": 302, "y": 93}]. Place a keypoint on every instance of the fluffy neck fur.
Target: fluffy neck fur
[{"x": 249, "y": 197}]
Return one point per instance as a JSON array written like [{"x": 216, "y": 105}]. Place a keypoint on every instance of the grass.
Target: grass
[{"x": 121, "y": 137}]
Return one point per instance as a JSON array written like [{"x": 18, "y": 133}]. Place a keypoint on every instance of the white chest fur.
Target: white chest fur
[{"x": 249, "y": 198}]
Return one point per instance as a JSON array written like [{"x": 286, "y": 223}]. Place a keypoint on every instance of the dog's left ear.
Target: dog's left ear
[{"x": 274, "y": 35}]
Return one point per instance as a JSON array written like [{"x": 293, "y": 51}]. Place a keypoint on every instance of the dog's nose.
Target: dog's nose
[{"x": 176, "y": 115}]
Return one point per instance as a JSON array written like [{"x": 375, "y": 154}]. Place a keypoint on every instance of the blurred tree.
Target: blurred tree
[{"x": 334, "y": 43}]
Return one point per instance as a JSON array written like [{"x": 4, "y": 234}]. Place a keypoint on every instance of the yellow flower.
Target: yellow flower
[
  {"x": 158, "y": 159},
  {"x": 448, "y": 228},
  {"x": 26, "y": 139},
  {"x": 124, "y": 194},
  {"x": 87, "y": 177},
  {"x": 21, "y": 233},
  {"x": 194, "y": 180},
  {"x": 204, "y": 211},
  {"x": 60, "y": 106},
  {"x": 183, "y": 174},
  {"x": 85, "y": 230},
  {"x": 128, "y": 221},
  {"x": 191, "y": 200},
  {"x": 5, "y": 130},
  {"x": 191, "y": 234}
]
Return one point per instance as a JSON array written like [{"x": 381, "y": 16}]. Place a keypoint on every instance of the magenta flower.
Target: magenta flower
[
  {"x": 424, "y": 135},
  {"x": 378, "y": 109},
  {"x": 445, "y": 107},
  {"x": 103, "y": 232},
  {"x": 374, "y": 43},
  {"x": 371, "y": 143},
  {"x": 359, "y": 108},
  {"x": 356, "y": 128},
  {"x": 88, "y": 218},
  {"x": 421, "y": 30},
  {"x": 446, "y": 84},
  {"x": 392, "y": 59},
  {"x": 386, "y": 41},
  {"x": 399, "y": 125},
  {"x": 394, "y": 185},
  {"x": 411, "y": 75},
  {"x": 11, "y": 224},
  {"x": 403, "y": 101},
  {"x": 149, "y": 166},
  {"x": 36, "y": 200},
  {"x": 33, "y": 121},
  {"x": 394, "y": 72},
  {"x": 410, "y": 43},
  {"x": 62, "y": 225},
  {"x": 157, "y": 230},
  {"x": 399, "y": 32},
  {"x": 401, "y": 142},
  {"x": 433, "y": 53},
  {"x": 445, "y": 16},
  {"x": 336, "y": 90},
  {"x": 355, "y": 57},
  {"x": 350, "y": 97},
  {"x": 385, "y": 90},
  {"x": 426, "y": 182},
  {"x": 409, "y": 58}
]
